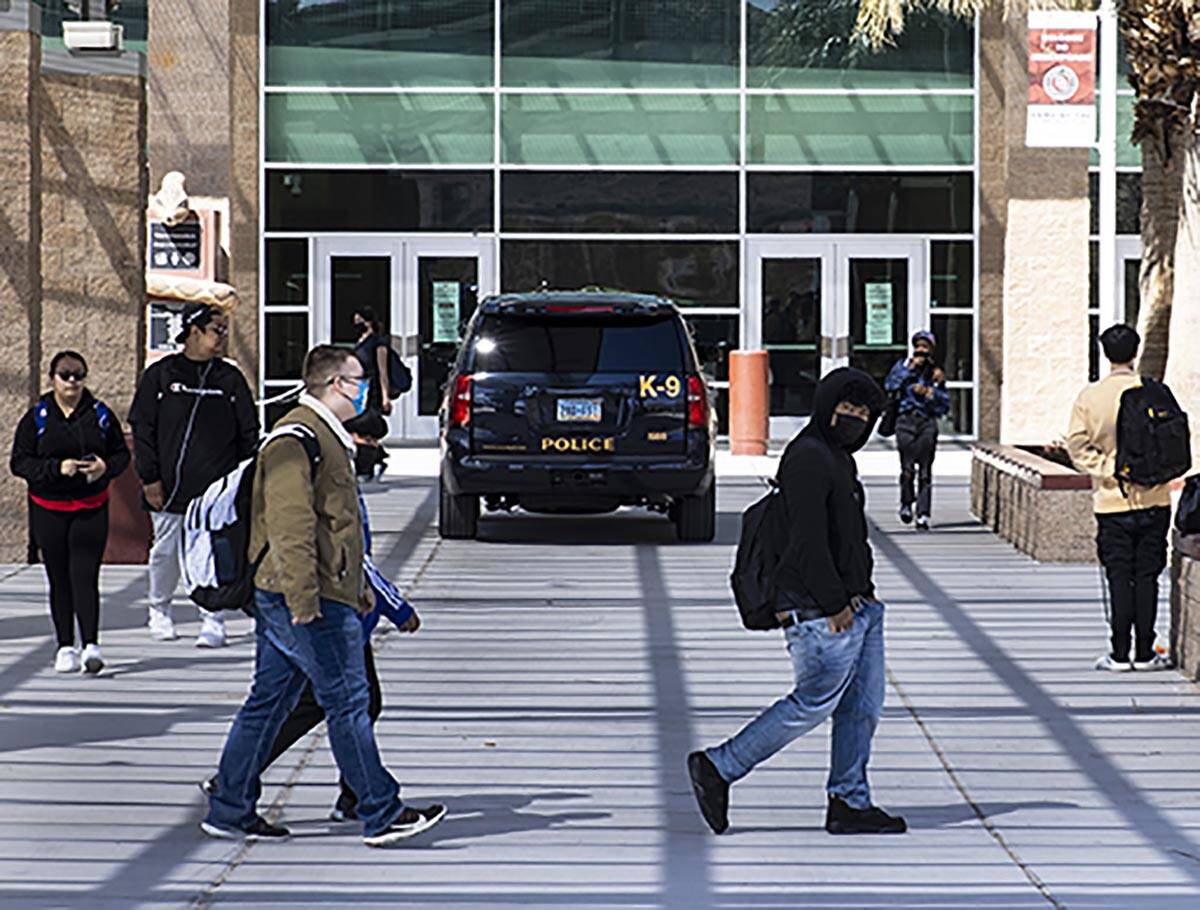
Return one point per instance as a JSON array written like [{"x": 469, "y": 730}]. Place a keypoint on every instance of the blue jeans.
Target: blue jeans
[
  {"x": 329, "y": 653},
  {"x": 836, "y": 675}
]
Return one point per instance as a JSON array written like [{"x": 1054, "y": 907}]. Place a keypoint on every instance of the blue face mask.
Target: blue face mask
[{"x": 360, "y": 397}]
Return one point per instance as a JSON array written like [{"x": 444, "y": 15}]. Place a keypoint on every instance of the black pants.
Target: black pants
[
  {"x": 307, "y": 714},
  {"x": 72, "y": 545},
  {"x": 916, "y": 438},
  {"x": 1133, "y": 549}
]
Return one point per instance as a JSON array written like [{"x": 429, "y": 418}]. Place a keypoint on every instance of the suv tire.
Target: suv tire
[
  {"x": 458, "y": 516},
  {"x": 696, "y": 516}
]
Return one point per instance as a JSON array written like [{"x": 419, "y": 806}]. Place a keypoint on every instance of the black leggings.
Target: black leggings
[{"x": 72, "y": 544}]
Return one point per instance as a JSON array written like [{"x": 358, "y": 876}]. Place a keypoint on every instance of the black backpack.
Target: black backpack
[
  {"x": 761, "y": 547},
  {"x": 1153, "y": 442},
  {"x": 1187, "y": 517},
  {"x": 399, "y": 377}
]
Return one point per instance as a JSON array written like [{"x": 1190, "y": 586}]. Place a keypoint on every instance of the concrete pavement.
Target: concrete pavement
[{"x": 565, "y": 669}]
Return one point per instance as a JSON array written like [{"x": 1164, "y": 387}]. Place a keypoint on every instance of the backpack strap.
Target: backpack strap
[
  {"x": 40, "y": 414},
  {"x": 103, "y": 415},
  {"x": 307, "y": 438}
]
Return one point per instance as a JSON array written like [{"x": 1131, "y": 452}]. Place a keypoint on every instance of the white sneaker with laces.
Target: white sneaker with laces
[
  {"x": 1157, "y": 662},
  {"x": 1107, "y": 662},
  {"x": 66, "y": 660},
  {"x": 161, "y": 626},
  {"x": 212, "y": 632},
  {"x": 93, "y": 663}
]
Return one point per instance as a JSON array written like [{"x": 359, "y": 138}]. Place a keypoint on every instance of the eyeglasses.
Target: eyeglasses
[
  {"x": 359, "y": 378},
  {"x": 71, "y": 375},
  {"x": 217, "y": 329}
]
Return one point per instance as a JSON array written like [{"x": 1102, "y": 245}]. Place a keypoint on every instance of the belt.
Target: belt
[{"x": 791, "y": 617}]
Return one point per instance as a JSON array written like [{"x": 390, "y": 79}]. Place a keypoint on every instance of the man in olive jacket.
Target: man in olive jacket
[{"x": 309, "y": 589}]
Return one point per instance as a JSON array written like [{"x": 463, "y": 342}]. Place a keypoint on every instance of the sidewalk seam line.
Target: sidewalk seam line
[{"x": 988, "y": 825}]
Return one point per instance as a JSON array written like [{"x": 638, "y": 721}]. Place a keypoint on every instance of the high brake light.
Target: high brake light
[
  {"x": 460, "y": 402},
  {"x": 697, "y": 402}
]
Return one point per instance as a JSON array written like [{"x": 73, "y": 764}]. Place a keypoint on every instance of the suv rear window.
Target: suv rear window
[{"x": 578, "y": 344}]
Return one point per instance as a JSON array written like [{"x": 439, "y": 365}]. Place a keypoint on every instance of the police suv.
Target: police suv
[{"x": 577, "y": 402}]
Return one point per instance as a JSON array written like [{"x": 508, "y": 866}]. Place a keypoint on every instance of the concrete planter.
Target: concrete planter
[
  {"x": 1185, "y": 603},
  {"x": 1040, "y": 506}
]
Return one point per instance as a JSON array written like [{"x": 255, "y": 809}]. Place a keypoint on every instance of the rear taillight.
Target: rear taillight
[
  {"x": 460, "y": 402},
  {"x": 697, "y": 403}
]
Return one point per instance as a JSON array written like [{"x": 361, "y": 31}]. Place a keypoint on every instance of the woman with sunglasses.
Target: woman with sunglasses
[{"x": 67, "y": 448}]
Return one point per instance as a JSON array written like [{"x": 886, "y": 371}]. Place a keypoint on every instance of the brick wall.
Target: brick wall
[{"x": 243, "y": 181}]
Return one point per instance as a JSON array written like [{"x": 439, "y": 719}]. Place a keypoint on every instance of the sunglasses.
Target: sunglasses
[
  {"x": 71, "y": 375},
  {"x": 219, "y": 330}
]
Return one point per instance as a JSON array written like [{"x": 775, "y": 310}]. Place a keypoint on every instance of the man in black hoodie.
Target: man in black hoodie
[
  {"x": 831, "y": 620},
  {"x": 194, "y": 420}
]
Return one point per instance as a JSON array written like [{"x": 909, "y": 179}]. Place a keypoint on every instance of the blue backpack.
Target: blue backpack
[{"x": 103, "y": 416}]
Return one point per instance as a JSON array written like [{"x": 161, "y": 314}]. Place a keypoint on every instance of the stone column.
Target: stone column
[
  {"x": 20, "y": 234},
  {"x": 244, "y": 235}
]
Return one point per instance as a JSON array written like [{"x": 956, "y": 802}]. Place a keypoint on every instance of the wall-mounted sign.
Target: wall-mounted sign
[
  {"x": 175, "y": 247},
  {"x": 446, "y": 295},
  {"x": 1062, "y": 79},
  {"x": 878, "y": 296}
]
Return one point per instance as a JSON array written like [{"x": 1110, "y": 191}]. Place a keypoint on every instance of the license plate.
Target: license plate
[{"x": 580, "y": 410}]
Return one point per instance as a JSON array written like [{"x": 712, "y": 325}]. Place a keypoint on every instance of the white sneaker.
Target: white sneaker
[
  {"x": 66, "y": 660},
  {"x": 1107, "y": 662},
  {"x": 93, "y": 663},
  {"x": 1157, "y": 662},
  {"x": 162, "y": 628},
  {"x": 212, "y": 632}
]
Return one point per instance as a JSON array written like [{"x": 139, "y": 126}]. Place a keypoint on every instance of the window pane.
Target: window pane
[
  {"x": 848, "y": 203},
  {"x": 341, "y": 128},
  {"x": 316, "y": 200},
  {"x": 955, "y": 346},
  {"x": 647, "y": 202},
  {"x": 860, "y": 129},
  {"x": 1131, "y": 272},
  {"x": 961, "y": 419},
  {"x": 807, "y": 43},
  {"x": 451, "y": 284},
  {"x": 657, "y": 43},
  {"x": 689, "y": 273},
  {"x": 1093, "y": 347},
  {"x": 287, "y": 273},
  {"x": 620, "y": 129},
  {"x": 791, "y": 331},
  {"x": 287, "y": 343},
  {"x": 1129, "y": 202},
  {"x": 714, "y": 337},
  {"x": 354, "y": 282},
  {"x": 383, "y": 42},
  {"x": 878, "y": 314},
  {"x": 131, "y": 15},
  {"x": 576, "y": 344},
  {"x": 952, "y": 275}
]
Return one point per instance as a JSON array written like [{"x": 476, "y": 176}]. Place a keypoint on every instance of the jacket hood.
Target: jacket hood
[
  {"x": 86, "y": 400},
  {"x": 838, "y": 385}
]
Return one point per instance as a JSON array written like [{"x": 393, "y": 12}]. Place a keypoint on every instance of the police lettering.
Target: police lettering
[{"x": 577, "y": 444}]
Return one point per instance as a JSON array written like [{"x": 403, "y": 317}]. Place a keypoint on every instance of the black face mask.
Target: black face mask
[{"x": 848, "y": 430}]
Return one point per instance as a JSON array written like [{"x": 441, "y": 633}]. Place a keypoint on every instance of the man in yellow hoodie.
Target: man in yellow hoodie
[{"x": 1132, "y": 520}]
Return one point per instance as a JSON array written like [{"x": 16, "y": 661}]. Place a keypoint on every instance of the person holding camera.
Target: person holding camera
[
  {"x": 918, "y": 385},
  {"x": 67, "y": 448}
]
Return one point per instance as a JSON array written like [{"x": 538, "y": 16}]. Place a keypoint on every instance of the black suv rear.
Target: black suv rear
[{"x": 577, "y": 402}]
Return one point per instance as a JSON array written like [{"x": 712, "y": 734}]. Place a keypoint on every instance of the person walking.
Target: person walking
[
  {"x": 832, "y": 620},
  {"x": 309, "y": 591},
  {"x": 194, "y": 420},
  {"x": 372, "y": 350},
  {"x": 67, "y": 448},
  {"x": 1131, "y": 522},
  {"x": 919, "y": 386}
]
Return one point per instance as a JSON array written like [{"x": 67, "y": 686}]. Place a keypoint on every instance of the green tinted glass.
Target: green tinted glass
[
  {"x": 620, "y": 129},
  {"x": 379, "y": 129},
  {"x": 1128, "y": 154},
  {"x": 860, "y": 129},
  {"x": 646, "y": 43},
  {"x": 380, "y": 43},
  {"x": 807, "y": 44}
]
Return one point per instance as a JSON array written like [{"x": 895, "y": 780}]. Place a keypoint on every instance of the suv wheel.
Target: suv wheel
[
  {"x": 696, "y": 516},
  {"x": 458, "y": 516}
]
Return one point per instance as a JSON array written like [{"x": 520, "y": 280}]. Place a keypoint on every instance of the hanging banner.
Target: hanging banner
[{"x": 1062, "y": 80}]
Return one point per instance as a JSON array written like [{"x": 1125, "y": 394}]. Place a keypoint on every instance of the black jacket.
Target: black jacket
[
  {"x": 828, "y": 560},
  {"x": 37, "y": 459},
  {"x": 192, "y": 423}
]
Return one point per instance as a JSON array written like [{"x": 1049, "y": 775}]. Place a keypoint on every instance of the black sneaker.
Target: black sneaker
[
  {"x": 208, "y": 787},
  {"x": 345, "y": 809},
  {"x": 906, "y": 514},
  {"x": 843, "y": 819},
  {"x": 409, "y": 823},
  {"x": 259, "y": 829},
  {"x": 712, "y": 791},
  {"x": 922, "y": 522}
]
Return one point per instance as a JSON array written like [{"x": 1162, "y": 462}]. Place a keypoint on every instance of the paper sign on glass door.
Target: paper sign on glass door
[
  {"x": 878, "y": 296},
  {"x": 445, "y": 311}
]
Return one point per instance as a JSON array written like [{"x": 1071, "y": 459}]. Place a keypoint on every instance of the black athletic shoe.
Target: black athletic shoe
[
  {"x": 712, "y": 792},
  {"x": 842, "y": 819},
  {"x": 409, "y": 823},
  {"x": 906, "y": 514},
  {"x": 259, "y": 829},
  {"x": 208, "y": 787},
  {"x": 345, "y": 809}
]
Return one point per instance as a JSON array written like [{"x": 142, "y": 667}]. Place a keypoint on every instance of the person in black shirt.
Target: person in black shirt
[
  {"x": 372, "y": 352},
  {"x": 832, "y": 621},
  {"x": 194, "y": 420},
  {"x": 67, "y": 448}
]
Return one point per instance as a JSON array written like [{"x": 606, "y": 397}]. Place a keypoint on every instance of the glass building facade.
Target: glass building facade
[{"x": 790, "y": 189}]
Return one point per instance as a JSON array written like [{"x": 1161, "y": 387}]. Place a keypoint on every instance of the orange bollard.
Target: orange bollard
[{"x": 748, "y": 402}]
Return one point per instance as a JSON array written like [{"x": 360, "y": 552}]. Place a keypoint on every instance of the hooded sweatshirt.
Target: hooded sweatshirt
[{"x": 828, "y": 560}]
